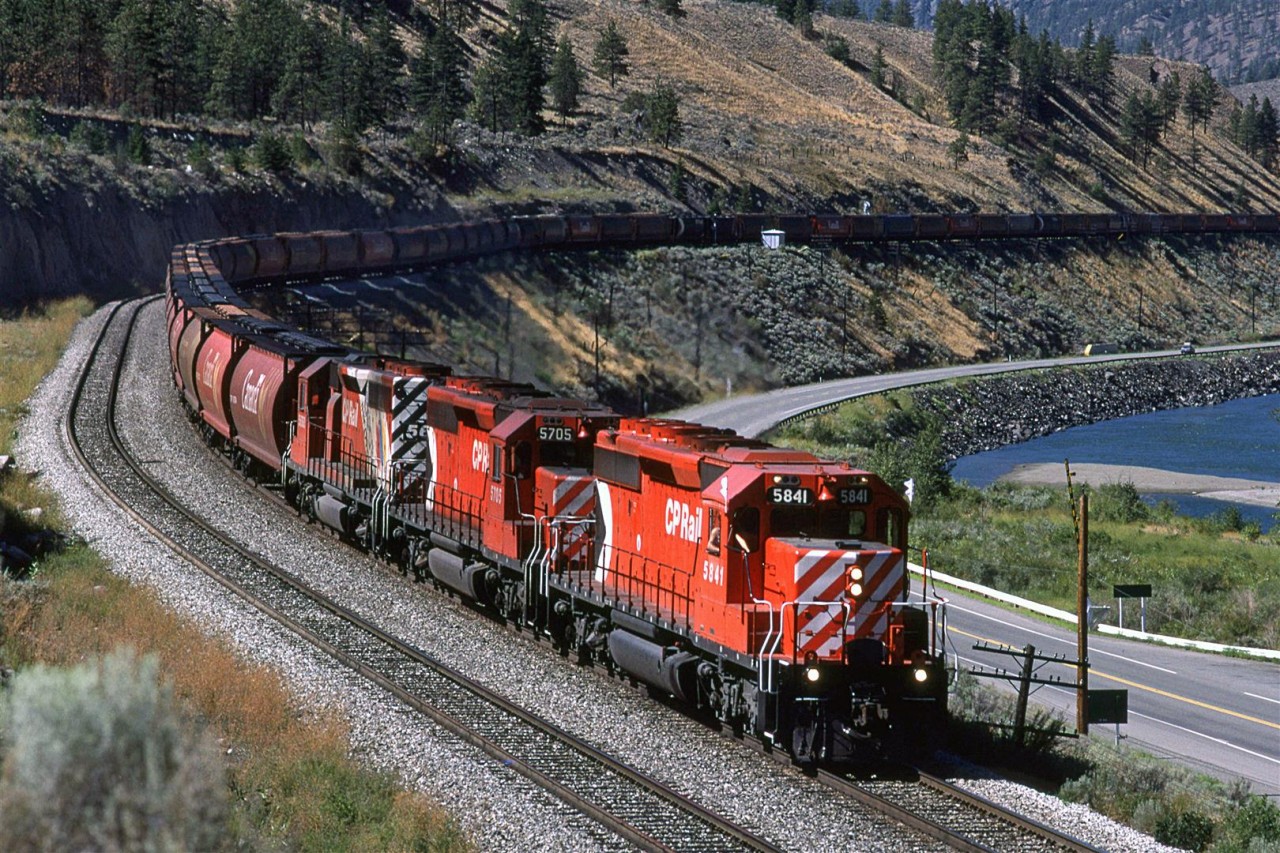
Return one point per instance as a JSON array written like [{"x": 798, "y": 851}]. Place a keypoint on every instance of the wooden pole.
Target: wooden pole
[
  {"x": 1024, "y": 692},
  {"x": 1082, "y": 623}
]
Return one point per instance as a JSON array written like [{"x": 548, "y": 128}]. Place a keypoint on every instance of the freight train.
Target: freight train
[
  {"x": 271, "y": 258},
  {"x": 762, "y": 586}
]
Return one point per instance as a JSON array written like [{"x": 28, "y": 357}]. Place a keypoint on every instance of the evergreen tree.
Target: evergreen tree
[
  {"x": 523, "y": 51},
  {"x": 845, "y": 9},
  {"x": 1104, "y": 61},
  {"x": 490, "y": 98},
  {"x": 1140, "y": 125},
  {"x": 247, "y": 69},
  {"x": 878, "y": 67},
  {"x": 384, "y": 61},
  {"x": 80, "y": 52},
  {"x": 1198, "y": 100},
  {"x": 566, "y": 79},
  {"x": 454, "y": 15},
  {"x": 662, "y": 115},
  {"x": 884, "y": 12},
  {"x": 1145, "y": 47},
  {"x": 610, "y": 54},
  {"x": 299, "y": 93},
  {"x": 345, "y": 75},
  {"x": 672, "y": 8},
  {"x": 191, "y": 35},
  {"x": 837, "y": 47},
  {"x": 134, "y": 47},
  {"x": 437, "y": 91},
  {"x": 1169, "y": 98},
  {"x": 902, "y": 15},
  {"x": 1084, "y": 56},
  {"x": 1268, "y": 133}
]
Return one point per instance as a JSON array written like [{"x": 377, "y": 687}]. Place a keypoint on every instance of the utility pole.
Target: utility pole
[{"x": 1082, "y": 622}]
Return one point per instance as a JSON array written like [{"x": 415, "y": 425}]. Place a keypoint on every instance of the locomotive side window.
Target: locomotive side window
[
  {"x": 746, "y": 529},
  {"x": 892, "y": 529},
  {"x": 713, "y": 531},
  {"x": 522, "y": 460},
  {"x": 496, "y": 456}
]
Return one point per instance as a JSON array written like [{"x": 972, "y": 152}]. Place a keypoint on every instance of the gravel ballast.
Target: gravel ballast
[{"x": 498, "y": 808}]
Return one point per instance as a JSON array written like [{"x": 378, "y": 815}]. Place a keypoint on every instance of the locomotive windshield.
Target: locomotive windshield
[
  {"x": 566, "y": 454},
  {"x": 818, "y": 522}
]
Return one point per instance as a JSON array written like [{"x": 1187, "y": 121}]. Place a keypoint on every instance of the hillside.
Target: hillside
[
  {"x": 1238, "y": 39},
  {"x": 771, "y": 122}
]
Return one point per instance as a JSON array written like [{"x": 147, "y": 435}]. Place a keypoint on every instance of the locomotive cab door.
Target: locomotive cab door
[{"x": 508, "y": 521}]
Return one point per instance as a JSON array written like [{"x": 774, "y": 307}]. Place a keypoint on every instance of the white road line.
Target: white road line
[
  {"x": 1218, "y": 740},
  {"x": 1263, "y": 698},
  {"x": 1070, "y": 643}
]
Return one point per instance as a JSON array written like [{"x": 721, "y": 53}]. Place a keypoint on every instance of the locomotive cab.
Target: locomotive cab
[{"x": 848, "y": 667}]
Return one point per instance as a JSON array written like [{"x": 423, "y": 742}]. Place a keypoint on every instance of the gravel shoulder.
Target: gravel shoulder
[
  {"x": 1156, "y": 480},
  {"x": 499, "y": 809}
]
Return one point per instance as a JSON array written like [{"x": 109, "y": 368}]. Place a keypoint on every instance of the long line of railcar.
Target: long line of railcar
[{"x": 760, "y": 585}]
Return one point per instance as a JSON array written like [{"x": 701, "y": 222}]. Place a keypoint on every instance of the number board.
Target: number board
[
  {"x": 555, "y": 433},
  {"x": 789, "y": 495},
  {"x": 859, "y": 495}
]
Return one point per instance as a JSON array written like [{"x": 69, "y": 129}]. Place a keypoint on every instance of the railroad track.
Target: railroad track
[
  {"x": 962, "y": 820},
  {"x": 637, "y": 808}
]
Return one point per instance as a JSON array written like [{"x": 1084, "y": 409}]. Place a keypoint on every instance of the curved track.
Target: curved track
[{"x": 637, "y": 808}]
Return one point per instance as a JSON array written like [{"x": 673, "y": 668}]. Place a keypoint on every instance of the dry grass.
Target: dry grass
[
  {"x": 30, "y": 346},
  {"x": 291, "y": 774}
]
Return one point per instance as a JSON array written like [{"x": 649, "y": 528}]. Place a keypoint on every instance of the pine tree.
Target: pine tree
[
  {"x": 1268, "y": 133},
  {"x": 662, "y": 115},
  {"x": 523, "y": 51},
  {"x": 1104, "y": 61},
  {"x": 566, "y": 79},
  {"x": 437, "y": 91},
  {"x": 672, "y": 8},
  {"x": 878, "y": 67},
  {"x": 1169, "y": 97},
  {"x": 1140, "y": 125},
  {"x": 884, "y": 12},
  {"x": 345, "y": 75},
  {"x": 1198, "y": 100},
  {"x": 134, "y": 50},
  {"x": 1084, "y": 57},
  {"x": 490, "y": 102},
  {"x": 610, "y": 54},
  {"x": 298, "y": 96},
  {"x": 902, "y": 15},
  {"x": 384, "y": 62}
]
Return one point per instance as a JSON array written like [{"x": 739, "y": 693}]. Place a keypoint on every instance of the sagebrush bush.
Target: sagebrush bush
[{"x": 98, "y": 757}]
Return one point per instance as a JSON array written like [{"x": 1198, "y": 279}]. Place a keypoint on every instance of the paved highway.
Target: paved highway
[
  {"x": 754, "y": 414},
  {"x": 1218, "y": 714}
]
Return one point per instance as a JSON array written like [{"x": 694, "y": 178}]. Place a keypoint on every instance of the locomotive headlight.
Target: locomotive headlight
[
  {"x": 812, "y": 674},
  {"x": 855, "y": 589},
  {"x": 921, "y": 675}
]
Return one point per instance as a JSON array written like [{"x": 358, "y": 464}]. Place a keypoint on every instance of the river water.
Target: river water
[{"x": 1236, "y": 439}]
